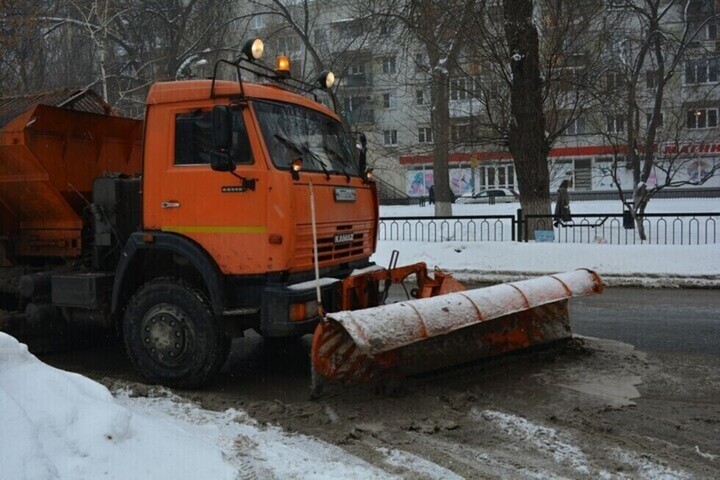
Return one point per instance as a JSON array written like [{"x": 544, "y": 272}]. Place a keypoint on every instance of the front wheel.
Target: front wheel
[{"x": 172, "y": 336}]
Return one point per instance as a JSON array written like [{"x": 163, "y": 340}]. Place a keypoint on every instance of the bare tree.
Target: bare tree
[
  {"x": 132, "y": 43},
  {"x": 656, "y": 37},
  {"x": 537, "y": 60},
  {"x": 527, "y": 137},
  {"x": 23, "y": 52}
]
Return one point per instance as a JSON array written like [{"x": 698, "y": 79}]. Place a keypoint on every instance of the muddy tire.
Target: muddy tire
[{"x": 172, "y": 336}]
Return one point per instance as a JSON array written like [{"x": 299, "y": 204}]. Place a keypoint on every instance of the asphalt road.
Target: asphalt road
[{"x": 663, "y": 320}]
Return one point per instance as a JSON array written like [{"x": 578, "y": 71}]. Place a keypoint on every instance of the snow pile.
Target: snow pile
[
  {"x": 558, "y": 446},
  {"x": 544, "y": 439},
  {"x": 489, "y": 257},
  {"x": 649, "y": 470},
  {"x": 418, "y": 465},
  {"x": 256, "y": 451},
  {"x": 60, "y": 425}
]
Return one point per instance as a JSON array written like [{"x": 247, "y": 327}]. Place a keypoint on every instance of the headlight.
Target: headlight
[
  {"x": 253, "y": 49},
  {"x": 326, "y": 79}
]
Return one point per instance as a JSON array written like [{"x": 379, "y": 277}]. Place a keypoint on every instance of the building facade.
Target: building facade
[{"x": 384, "y": 91}]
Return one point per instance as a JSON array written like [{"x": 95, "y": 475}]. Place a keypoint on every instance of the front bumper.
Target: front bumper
[{"x": 276, "y": 301}]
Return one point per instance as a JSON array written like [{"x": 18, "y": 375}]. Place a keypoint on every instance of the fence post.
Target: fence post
[{"x": 519, "y": 225}]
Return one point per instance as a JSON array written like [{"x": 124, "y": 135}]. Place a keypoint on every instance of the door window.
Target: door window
[{"x": 193, "y": 138}]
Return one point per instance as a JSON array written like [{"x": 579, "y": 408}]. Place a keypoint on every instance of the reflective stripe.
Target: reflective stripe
[{"x": 214, "y": 229}]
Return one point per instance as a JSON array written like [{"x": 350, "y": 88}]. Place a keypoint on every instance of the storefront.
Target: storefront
[{"x": 589, "y": 168}]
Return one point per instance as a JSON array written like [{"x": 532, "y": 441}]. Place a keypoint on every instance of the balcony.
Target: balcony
[
  {"x": 361, "y": 116},
  {"x": 357, "y": 80}
]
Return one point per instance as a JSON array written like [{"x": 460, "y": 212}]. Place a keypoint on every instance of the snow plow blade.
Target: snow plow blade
[{"x": 431, "y": 333}]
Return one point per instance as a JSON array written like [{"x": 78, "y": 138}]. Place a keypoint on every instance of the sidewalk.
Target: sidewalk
[{"x": 666, "y": 266}]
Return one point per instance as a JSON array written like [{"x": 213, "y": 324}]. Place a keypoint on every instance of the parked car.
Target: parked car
[{"x": 491, "y": 196}]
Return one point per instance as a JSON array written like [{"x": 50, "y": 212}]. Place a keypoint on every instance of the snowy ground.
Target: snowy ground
[
  {"x": 60, "y": 425},
  {"x": 649, "y": 265}
]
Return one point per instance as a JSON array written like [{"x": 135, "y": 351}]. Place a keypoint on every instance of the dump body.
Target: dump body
[{"x": 49, "y": 158}]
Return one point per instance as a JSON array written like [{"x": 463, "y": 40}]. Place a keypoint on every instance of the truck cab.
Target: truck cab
[{"x": 242, "y": 183}]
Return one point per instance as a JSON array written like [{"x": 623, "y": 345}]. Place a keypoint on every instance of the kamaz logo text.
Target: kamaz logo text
[{"x": 344, "y": 237}]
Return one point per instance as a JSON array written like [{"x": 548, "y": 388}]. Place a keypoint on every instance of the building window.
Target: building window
[
  {"x": 421, "y": 64},
  {"x": 389, "y": 65},
  {"x": 388, "y": 100},
  {"x": 571, "y": 78},
  {"x": 661, "y": 120},
  {"x": 702, "y": 118},
  {"x": 354, "y": 103},
  {"x": 614, "y": 81},
  {"x": 712, "y": 31},
  {"x": 357, "y": 69},
  {"x": 461, "y": 133},
  {"x": 576, "y": 127},
  {"x": 651, "y": 78},
  {"x": 462, "y": 88},
  {"x": 356, "y": 76},
  {"x": 701, "y": 70},
  {"x": 616, "y": 124},
  {"x": 389, "y": 137},
  {"x": 425, "y": 135},
  {"x": 419, "y": 97},
  {"x": 286, "y": 45}
]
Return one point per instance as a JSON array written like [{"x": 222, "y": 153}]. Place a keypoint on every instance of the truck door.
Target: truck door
[{"x": 211, "y": 207}]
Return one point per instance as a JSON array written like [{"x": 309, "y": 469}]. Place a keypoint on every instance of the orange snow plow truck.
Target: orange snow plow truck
[{"x": 233, "y": 206}]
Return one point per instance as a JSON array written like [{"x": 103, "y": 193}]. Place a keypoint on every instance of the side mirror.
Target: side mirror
[
  {"x": 220, "y": 161},
  {"x": 221, "y": 127}
]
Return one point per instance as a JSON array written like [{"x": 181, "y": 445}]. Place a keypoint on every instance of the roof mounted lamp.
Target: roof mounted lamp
[
  {"x": 282, "y": 65},
  {"x": 253, "y": 49},
  {"x": 326, "y": 79}
]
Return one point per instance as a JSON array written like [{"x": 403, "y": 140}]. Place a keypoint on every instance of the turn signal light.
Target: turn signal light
[{"x": 303, "y": 311}]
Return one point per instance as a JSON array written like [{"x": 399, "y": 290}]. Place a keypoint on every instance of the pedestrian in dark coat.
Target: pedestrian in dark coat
[
  {"x": 431, "y": 194},
  {"x": 562, "y": 206}
]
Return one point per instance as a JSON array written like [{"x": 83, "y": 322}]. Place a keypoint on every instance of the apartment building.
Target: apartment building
[{"x": 384, "y": 92}]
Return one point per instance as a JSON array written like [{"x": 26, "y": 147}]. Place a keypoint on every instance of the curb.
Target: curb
[{"x": 610, "y": 280}]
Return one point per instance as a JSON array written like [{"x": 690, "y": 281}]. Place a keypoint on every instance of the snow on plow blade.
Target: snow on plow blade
[{"x": 432, "y": 333}]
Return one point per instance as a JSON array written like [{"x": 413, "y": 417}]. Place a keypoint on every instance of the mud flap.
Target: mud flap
[{"x": 432, "y": 333}]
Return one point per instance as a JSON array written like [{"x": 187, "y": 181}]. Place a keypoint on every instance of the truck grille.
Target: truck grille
[{"x": 330, "y": 252}]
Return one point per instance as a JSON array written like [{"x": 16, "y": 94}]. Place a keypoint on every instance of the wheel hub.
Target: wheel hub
[{"x": 167, "y": 334}]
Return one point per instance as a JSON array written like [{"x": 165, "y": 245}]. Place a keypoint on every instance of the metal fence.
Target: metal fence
[
  {"x": 484, "y": 228},
  {"x": 660, "y": 228}
]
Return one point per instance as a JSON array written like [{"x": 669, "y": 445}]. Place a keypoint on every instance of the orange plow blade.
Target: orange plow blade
[{"x": 430, "y": 333}]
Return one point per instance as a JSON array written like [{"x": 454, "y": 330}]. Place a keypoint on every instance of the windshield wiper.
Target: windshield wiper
[
  {"x": 339, "y": 158},
  {"x": 290, "y": 145},
  {"x": 302, "y": 150}
]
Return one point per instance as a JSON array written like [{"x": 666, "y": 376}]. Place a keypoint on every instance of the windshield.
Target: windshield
[{"x": 291, "y": 131}]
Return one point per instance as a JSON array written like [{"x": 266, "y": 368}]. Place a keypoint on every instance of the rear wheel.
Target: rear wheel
[{"x": 171, "y": 334}]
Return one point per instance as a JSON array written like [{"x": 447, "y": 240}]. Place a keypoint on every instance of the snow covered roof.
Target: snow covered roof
[{"x": 80, "y": 99}]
